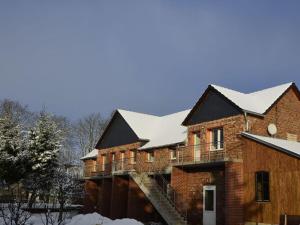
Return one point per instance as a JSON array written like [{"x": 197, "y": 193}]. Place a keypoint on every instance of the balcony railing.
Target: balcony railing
[
  {"x": 203, "y": 153},
  {"x": 185, "y": 155},
  {"x": 126, "y": 165}
]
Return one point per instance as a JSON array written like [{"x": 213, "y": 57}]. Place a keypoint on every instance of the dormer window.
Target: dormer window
[{"x": 216, "y": 139}]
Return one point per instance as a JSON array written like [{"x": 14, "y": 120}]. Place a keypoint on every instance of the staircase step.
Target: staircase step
[{"x": 158, "y": 199}]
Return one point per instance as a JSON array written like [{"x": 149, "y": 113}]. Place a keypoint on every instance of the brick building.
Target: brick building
[{"x": 232, "y": 159}]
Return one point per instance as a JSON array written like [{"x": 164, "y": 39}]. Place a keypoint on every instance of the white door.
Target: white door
[
  {"x": 209, "y": 205},
  {"x": 196, "y": 147}
]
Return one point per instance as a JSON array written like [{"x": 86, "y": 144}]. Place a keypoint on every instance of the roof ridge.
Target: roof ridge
[
  {"x": 218, "y": 86},
  {"x": 146, "y": 114},
  {"x": 270, "y": 88}
]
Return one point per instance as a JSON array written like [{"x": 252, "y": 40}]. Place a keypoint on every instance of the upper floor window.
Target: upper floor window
[
  {"x": 262, "y": 191},
  {"x": 113, "y": 157},
  {"x": 133, "y": 155},
  {"x": 94, "y": 165},
  {"x": 173, "y": 154},
  {"x": 150, "y": 156},
  {"x": 216, "y": 138},
  {"x": 103, "y": 162}
]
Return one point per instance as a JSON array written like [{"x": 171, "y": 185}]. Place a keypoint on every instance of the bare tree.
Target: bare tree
[
  {"x": 17, "y": 112},
  {"x": 88, "y": 130}
]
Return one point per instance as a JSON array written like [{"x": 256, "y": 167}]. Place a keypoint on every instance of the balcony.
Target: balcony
[
  {"x": 89, "y": 170},
  {"x": 201, "y": 154},
  {"x": 126, "y": 166}
]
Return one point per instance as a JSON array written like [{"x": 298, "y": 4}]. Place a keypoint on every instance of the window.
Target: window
[
  {"x": 150, "y": 156},
  {"x": 122, "y": 160},
  {"x": 103, "y": 162},
  {"x": 197, "y": 146},
  {"x": 217, "y": 138},
  {"x": 133, "y": 155},
  {"x": 173, "y": 154},
  {"x": 209, "y": 200},
  {"x": 94, "y": 165},
  {"x": 262, "y": 186}
]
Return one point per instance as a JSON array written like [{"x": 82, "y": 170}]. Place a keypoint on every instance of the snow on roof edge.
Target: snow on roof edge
[
  {"x": 90, "y": 155},
  {"x": 286, "y": 146}
]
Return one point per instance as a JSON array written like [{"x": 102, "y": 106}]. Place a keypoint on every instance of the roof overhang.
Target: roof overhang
[{"x": 246, "y": 135}]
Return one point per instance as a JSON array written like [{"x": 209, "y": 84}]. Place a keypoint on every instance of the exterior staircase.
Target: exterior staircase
[{"x": 159, "y": 200}]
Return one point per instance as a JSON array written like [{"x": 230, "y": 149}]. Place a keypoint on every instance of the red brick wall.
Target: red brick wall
[
  {"x": 119, "y": 197},
  {"x": 234, "y": 198},
  {"x": 189, "y": 183},
  {"x": 232, "y": 126},
  {"x": 285, "y": 114}
]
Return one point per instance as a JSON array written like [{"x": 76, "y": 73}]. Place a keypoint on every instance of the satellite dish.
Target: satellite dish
[{"x": 272, "y": 129}]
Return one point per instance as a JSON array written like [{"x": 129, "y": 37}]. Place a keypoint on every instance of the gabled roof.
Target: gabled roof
[
  {"x": 91, "y": 155},
  {"x": 254, "y": 103},
  {"x": 156, "y": 131},
  {"x": 142, "y": 124},
  {"x": 289, "y": 147}
]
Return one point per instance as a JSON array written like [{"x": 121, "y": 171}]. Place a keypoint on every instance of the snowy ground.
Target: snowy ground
[{"x": 88, "y": 219}]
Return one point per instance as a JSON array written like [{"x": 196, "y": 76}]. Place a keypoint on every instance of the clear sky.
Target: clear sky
[{"x": 78, "y": 57}]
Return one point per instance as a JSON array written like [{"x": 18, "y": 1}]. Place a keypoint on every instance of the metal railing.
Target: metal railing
[
  {"x": 202, "y": 153},
  {"x": 165, "y": 187}
]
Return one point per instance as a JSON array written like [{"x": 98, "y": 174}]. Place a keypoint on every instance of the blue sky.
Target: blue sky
[{"x": 79, "y": 57}]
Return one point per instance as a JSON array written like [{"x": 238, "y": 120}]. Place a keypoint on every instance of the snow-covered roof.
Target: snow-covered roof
[
  {"x": 290, "y": 147},
  {"x": 256, "y": 102},
  {"x": 90, "y": 155},
  {"x": 158, "y": 131},
  {"x": 168, "y": 130},
  {"x": 142, "y": 124}
]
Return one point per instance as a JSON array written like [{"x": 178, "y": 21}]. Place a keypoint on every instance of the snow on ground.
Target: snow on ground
[
  {"x": 95, "y": 218},
  {"x": 87, "y": 219}
]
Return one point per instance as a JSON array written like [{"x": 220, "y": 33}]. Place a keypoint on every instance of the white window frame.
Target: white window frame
[
  {"x": 212, "y": 147},
  {"x": 172, "y": 154}
]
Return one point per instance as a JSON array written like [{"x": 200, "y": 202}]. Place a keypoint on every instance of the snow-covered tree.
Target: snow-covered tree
[
  {"x": 13, "y": 154},
  {"x": 44, "y": 143},
  {"x": 65, "y": 188}
]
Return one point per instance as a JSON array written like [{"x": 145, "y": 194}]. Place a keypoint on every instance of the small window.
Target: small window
[
  {"x": 150, "y": 156},
  {"x": 217, "y": 138},
  {"x": 173, "y": 154},
  {"x": 262, "y": 186},
  {"x": 209, "y": 200},
  {"x": 133, "y": 155}
]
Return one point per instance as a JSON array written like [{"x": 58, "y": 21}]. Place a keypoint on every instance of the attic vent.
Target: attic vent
[{"x": 292, "y": 137}]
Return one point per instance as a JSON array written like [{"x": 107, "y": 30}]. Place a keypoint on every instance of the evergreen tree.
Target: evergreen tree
[
  {"x": 13, "y": 154},
  {"x": 43, "y": 148}
]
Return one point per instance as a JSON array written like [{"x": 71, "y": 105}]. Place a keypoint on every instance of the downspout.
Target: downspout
[{"x": 246, "y": 122}]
